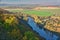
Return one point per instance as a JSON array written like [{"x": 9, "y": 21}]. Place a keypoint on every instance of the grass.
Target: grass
[
  {"x": 38, "y": 12},
  {"x": 14, "y": 10}
]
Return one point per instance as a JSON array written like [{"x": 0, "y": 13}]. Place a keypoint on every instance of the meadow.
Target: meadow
[{"x": 42, "y": 12}]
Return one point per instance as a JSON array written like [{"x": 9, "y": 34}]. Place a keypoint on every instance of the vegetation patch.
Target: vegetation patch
[{"x": 34, "y": 12}]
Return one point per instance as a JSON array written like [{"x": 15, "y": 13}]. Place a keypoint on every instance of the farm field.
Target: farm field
[{"x": 42, "y": 12}]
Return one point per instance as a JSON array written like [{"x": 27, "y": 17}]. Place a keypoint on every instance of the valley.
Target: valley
[{"x": 15, "y": 22}]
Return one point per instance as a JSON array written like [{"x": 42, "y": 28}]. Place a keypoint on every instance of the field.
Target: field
[{"x": 44, "y": 12}]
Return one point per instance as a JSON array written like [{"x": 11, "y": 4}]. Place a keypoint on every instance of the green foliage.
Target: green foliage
[
  {"x": 10, "y": 30},
  {"x": 34, "y": 38},
  {"x": 15, "y": 34},
  {"x": 30, "y": 36}
]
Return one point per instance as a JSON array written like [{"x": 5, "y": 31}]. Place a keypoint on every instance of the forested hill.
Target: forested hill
[{"x": 12, "y": 29}]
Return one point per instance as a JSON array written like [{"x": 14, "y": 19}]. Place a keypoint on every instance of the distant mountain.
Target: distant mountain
[
  {"x": 23, "y": 5},
  {"x": 8, "y": 5}
]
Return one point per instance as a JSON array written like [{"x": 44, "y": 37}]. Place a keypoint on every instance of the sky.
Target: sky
[{"x": 42, "y": 2}]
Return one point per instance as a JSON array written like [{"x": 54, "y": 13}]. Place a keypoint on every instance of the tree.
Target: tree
[{"x": 29, "y": 36}]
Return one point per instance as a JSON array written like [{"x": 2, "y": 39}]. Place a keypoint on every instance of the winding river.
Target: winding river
[{"x": 47, "y": 35}]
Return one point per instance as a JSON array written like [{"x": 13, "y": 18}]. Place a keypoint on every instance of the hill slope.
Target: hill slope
[{"x": 11, "y": 28}]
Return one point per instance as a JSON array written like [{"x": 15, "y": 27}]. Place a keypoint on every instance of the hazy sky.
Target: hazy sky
[{"x": 42, "y": 2}]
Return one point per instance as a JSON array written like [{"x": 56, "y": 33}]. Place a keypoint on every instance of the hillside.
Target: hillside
[
  {"x": 43, "y": 17},
  {"x": 11, "y": 28},
  {"x": 14, "y": 26}
]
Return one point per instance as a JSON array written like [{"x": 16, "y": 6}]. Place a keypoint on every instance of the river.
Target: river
[{"x": 47, "y": 35}]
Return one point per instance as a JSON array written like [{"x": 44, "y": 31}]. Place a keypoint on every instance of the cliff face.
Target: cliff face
[{"x": 51, "y": 23}]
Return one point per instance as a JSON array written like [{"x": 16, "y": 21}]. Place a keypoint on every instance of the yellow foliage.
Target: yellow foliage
[
  {"x": 36, "y": 19},
  {"x": 25, "y": 38},
  {"x": 9, "y": 20},
  {"x": 25, "y": 18}
]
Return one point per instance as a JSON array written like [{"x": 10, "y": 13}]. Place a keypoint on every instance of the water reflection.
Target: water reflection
[{"x": 47, "y": 35}]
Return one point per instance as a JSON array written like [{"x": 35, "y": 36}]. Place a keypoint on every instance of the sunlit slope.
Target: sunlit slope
[
  {"x": 51, "y": 22},
  {"x": 11, "y": 28}
]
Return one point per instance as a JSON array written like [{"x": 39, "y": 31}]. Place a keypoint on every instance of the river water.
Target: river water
[{"x": 47, "y": 35}]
